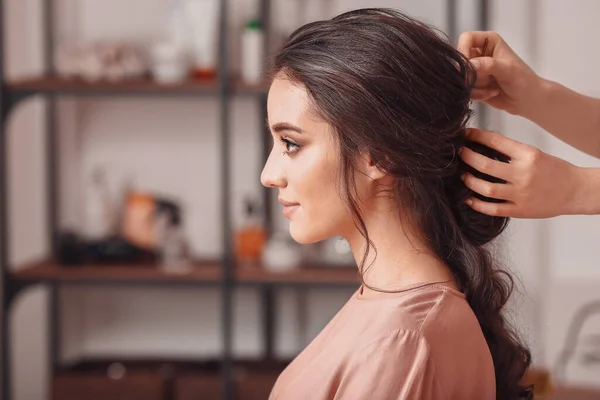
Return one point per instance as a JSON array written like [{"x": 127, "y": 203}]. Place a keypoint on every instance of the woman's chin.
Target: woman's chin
[{"x": 303, "y": 234}]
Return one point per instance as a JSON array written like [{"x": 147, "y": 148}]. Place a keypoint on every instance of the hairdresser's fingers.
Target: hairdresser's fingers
[
  {"x": 484, "y": 94},
  {"x": 498, "y": 142},
  {"x": 500, "y": 191},
  {"x": 490, "y": 70},
  {"x": 493, "y": 209},
  {"x": 476, "y": 40},
  {"x": 487, "y": 165}
]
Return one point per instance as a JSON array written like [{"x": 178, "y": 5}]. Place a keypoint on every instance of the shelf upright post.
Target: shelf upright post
[
  {"x": 52, "y": 184},
  {"x": 451, "y": 20},
  {"x": 5, "y": 291},
  {"x": 227, "y": 264},
  {"x": 483, "y": 22},
  {"x": 265, "y": 13},
  {"x": 267, "y": 291}
]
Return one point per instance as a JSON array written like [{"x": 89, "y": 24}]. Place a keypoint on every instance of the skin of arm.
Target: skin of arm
[
  {"x": 570, "y": 116},
  {"x": 587, "y": 199}
]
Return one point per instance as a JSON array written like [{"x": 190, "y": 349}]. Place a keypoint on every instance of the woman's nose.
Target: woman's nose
[{"x": 271, "y": 175}]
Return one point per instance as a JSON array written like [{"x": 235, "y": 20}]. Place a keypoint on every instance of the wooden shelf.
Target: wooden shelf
[
  {"x": 253, "y": 379},
  {"x": 142, "y": 87},
  {"x": 572, "y": 393},
  {"x": 306, "y": 275},
  {"x": 201, "y": 272}
]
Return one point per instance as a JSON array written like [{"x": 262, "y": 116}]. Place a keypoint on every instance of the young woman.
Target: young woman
[{"x": 368, "y": 111}]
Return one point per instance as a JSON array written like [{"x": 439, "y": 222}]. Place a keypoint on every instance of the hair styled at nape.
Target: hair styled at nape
[{"x": 396, "y": 89}]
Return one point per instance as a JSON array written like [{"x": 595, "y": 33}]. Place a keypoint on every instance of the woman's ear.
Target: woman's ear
[{"x": 371, "y": 170}]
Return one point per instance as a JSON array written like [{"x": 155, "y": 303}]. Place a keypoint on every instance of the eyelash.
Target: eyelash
[{"x": 288, "y": 143}]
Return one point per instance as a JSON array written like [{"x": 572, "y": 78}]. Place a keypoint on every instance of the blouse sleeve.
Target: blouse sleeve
[{"x": 395, "y": 367}]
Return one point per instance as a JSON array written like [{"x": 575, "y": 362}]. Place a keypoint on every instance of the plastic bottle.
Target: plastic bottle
[
  {"x": 252, "y": 56},
  {"x": 202, "y": 17},
  {"x": 175, "y": 251},
  {"x": 99, "y": 216}
]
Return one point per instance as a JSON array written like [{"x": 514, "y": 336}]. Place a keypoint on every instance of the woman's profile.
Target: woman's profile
[{"x": 368, "y": 111}]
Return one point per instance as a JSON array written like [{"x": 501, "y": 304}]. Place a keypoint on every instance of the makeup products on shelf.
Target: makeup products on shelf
[
  {"x": 252, "y": 52},
  {"x": 250, "y": 237}
]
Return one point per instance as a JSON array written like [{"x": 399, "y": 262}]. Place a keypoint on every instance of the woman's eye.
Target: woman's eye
[{"x": 290, "y": 147}]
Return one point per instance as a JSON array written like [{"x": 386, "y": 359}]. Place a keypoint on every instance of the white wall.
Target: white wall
[
  {"x": 523, "y": 243},
  {"x": 170, "y": 145},
  {"x": 569, "y": 30},
  {"x": 557, "y": 259},
  {"x": 26, "y": 149}
]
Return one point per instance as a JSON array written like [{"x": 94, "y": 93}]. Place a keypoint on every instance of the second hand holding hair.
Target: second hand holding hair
[{"x": 538, "y": 185}]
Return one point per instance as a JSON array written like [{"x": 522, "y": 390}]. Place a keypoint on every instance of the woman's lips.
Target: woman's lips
[
  {"x": 288, "y": 207},
  {"x": 289, "y": 210}
]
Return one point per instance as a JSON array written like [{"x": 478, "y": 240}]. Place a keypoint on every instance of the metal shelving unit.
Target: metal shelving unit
[{"x": 214, "y": 273}]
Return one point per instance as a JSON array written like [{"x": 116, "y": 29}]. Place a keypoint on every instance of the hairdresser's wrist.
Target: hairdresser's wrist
[
  {"x": 586, "y": 199},
  {"x": 537, "y": 101}
]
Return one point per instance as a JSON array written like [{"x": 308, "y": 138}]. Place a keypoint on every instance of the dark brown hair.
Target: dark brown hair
[{"x": 396, "y": 89}]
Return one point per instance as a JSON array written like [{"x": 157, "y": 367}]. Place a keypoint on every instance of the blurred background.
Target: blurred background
[{"x": 141, "y": 256}]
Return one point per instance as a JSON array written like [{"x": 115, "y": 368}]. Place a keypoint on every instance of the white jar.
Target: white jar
[
  {"x": 337, "y": 252},
  {"x": 252, "y": 56},
  {"x": 169, "y": 64},
  {"x": 281, "y": 254}
]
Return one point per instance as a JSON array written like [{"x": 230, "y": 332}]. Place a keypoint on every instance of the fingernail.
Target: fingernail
[
  {"x": 469, "y": 202},
  {"x": 476, "y": 64},
  {"x": 462, "y": 177},
  {"x": 460, "y": 150}
]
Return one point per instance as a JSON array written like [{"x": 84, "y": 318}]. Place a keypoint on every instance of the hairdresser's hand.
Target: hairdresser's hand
[
  {"x": 504, "y": 81},
  {"x": 538, "y": 184}
]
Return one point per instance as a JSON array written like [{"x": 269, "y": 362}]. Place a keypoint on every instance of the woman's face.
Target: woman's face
[{"x": 303, "y": 165}]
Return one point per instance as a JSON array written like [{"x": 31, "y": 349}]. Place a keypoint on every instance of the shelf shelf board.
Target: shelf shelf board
[
  {"x": 253, "y": 379},
  {"x": 313, "y": 275},
  {"x": 49, "y": 271},
  {"x": 192, "y": 363},
  {"x": 209, "y": 272},
  {"x": 137, "y": 87}
]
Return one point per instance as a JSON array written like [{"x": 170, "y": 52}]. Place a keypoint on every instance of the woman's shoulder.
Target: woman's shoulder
[
  {"x": 413, "y": 309},
  {"x": 436, "y": 327},
  {"x": 450, "y": 314}
]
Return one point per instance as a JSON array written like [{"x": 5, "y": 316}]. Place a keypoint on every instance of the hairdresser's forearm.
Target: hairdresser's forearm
[
  {"x": 568, "y": 115},
  {"x": 586, "y": 199}
]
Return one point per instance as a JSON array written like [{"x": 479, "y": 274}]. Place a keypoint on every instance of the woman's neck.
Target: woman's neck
[{"x": 399, "y": 257}]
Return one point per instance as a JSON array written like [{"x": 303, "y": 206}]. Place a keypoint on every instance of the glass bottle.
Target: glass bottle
[{"x": 250, "y": 237}]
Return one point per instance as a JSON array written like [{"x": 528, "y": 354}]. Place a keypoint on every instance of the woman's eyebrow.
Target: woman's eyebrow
[{"x": 284, "y": 126}]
